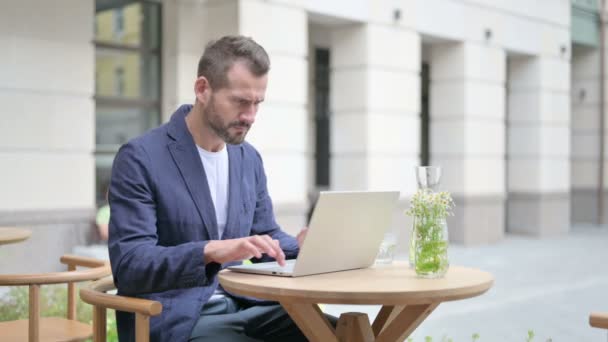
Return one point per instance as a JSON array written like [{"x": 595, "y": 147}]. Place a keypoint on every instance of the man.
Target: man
[{"x": 189, "y": 198}]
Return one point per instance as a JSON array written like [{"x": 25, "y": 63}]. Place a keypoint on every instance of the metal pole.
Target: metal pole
[{"x": 600, "y": 190}]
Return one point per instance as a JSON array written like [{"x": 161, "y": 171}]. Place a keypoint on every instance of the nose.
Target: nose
[{"x": 249, "y": 113}]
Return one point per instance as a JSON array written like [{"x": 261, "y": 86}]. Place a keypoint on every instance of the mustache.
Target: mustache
[{"x": 240, "y": 124}]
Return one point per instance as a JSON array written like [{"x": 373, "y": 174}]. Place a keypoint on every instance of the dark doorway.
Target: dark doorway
[
  {"x": 424, "y": 114},
  {"x": 322, "y": 119}
]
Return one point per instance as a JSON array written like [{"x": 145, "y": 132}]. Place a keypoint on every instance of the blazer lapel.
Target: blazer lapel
[
  {"x": 235, "y": 161},
  {"x": 186, "y": 157}
]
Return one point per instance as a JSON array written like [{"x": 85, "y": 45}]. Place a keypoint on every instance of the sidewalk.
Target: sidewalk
[{"x": 546, "y": 285}]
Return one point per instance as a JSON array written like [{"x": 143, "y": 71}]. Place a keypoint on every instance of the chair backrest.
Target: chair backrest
[
  {"x": 96, "y": 269},
  {"x": 95, "y": 294}
]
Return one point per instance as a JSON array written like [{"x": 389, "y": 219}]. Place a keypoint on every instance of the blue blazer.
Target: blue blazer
[{"x": 162, "y": 216}]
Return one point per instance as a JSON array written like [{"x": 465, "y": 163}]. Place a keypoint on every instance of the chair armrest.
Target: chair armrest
[
  {"x": 100, "y": 269},
  {"x": 94, "y": 294},
  {"x": 75, "y": 260},
  {"x": 599, "y": 320}
]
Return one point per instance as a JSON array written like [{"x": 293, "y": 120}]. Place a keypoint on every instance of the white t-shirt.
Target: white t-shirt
[{"x": 216, "y": 169}]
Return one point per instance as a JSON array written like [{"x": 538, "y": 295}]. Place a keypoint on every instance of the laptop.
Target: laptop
[{"x": 345, "y": 232}]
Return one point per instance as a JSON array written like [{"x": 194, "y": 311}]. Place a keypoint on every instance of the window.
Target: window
[
  {"x": 119, "y": 23},
  {"x": 127, "y": 84}
]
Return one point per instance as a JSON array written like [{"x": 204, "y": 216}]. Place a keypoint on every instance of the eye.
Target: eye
[{"x": 242, "y": 102}]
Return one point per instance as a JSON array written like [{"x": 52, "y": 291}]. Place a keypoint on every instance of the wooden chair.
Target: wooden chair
[
  {"x": 599, "y": 320},
  {"x": 37, "y": 329},
  {"x": 95, "y": 294}
]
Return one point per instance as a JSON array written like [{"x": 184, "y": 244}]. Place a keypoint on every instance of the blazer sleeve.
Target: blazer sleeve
[
  {"x": 264, "y": 221},
  {"x": 139, "y": 264}
]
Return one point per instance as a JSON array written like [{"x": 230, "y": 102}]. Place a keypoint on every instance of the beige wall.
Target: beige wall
[
  {"x": 46, "y": 87},
  {"x": 47, "y": 132}
]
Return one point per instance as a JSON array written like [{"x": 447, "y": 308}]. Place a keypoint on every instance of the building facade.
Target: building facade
[{"x": 504, "y": 95}]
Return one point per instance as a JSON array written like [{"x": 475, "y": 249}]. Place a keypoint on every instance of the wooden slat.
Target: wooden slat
[
  {"x": 385, "y": 316},
  {"x": 311, "y": 320},
  {"x": 71, "y": 296},
  {"x": 354, "y": 327},
  {"x": 142, "y": 328},
  {"x": 99, "y": 324},
  {"x": 34, "y": 314},
  {"x": 405, "y": 322}
]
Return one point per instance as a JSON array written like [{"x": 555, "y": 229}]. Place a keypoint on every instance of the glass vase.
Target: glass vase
[
  {"x": 412, "y": 247},
  {"x": 428, "y": 179},
  {"x": 430, "y": 246}
]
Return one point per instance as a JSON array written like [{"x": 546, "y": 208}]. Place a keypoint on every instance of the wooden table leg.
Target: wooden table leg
[
  {"x": 393, "y": 323},
  {"x": 354, "y": 327},
  {"x": 311, "y": 320},
  {"x": 405, "y": 322},
  {"x": 385, "y": 316}
]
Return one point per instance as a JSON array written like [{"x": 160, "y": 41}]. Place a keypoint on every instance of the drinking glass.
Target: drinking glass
[{"x": 386, "y": 254}]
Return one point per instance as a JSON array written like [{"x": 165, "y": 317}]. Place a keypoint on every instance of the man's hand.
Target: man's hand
[
  {"x": 222, "y": 251},
  {"x": 301, "y": 236}
]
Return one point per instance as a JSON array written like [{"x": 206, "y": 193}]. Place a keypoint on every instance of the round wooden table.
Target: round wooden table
[
  {"x": 12, "y": 235},
  {"x": 406, "y": 299}
]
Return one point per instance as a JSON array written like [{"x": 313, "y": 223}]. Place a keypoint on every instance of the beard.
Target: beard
[{"x": 222, "y": 129}]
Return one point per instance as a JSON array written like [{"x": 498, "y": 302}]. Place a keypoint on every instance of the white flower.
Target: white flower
[{"x": 431, "y": 204}]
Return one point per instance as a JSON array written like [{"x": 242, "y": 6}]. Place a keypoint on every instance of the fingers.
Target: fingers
[
  {"x": 222, "y": 251},
  {"x": 280, "y": 256},
  {"x": 266, "y": 244},
  {"x": 250, "y": 250}
]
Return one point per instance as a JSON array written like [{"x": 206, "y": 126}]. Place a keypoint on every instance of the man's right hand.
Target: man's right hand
[{"x": 222, "y": 251}]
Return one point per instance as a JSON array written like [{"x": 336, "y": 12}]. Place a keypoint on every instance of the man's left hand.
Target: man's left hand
[{"x": 301, "y": 236}]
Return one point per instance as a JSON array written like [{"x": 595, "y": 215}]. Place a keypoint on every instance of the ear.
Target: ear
[{"x": 202, "y": 89}]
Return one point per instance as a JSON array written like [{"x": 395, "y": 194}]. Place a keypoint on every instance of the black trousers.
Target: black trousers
[{"x": 224, "y": 319}]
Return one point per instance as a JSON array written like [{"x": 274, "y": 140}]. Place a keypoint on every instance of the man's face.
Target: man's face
[{"x": 231, "y": 110}]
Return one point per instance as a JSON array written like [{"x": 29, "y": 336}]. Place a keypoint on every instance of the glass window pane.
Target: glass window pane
[
  {"x": 126, "y": 74},
  {"x": 115, "y": 126},
  {"x": 120, "y": 25}
]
